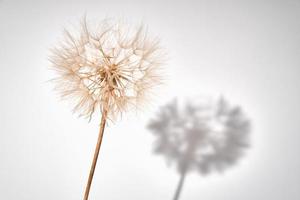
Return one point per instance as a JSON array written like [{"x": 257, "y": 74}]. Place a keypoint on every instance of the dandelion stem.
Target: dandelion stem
[
  {"x": 179, "y": 186},
  {"x": 92, "y": 170}
]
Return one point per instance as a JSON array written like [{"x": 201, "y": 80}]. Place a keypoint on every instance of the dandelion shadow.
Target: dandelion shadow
[{"x": 200, "y": 135}]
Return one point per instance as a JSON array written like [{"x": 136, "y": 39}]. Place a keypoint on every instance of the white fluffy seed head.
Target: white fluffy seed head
[{"x": 110, "y": 67}]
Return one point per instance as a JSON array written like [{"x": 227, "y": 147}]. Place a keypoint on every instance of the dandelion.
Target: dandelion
[
  {"x": 108, "y": 68},
  {"x": 201, "y": 134}
]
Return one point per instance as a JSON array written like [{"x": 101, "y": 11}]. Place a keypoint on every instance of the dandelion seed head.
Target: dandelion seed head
[{"x": 108, "y": 67}]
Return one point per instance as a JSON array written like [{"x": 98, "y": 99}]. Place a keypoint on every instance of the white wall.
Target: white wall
[{"x": 248, "y": 51}]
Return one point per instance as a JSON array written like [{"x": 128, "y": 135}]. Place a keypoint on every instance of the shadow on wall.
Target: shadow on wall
[{"x": 200, "y": 134}]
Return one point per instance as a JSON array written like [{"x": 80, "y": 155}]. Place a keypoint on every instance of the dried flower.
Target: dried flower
[
  {"x": 109, "y": 67},
  {"x": 202, "y": 134}
]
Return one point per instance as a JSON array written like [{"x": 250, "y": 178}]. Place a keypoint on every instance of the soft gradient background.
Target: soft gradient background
[{"x": 247, "y": 51}]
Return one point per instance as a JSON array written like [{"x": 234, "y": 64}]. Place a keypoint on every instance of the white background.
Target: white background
[{"x": 247, "y": 51}]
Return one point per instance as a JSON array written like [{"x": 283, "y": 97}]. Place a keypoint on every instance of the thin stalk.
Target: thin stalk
[
  {"x": 179, "y": 186},
  {"x": 92, "y": 170}
]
